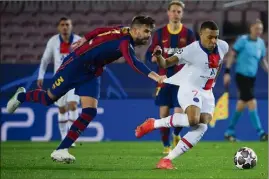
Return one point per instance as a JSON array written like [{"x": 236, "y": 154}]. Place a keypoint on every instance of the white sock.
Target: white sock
[
  {"x": 188, "y": 141},
  {"x": 62, "y": 121},
  {"x": 73, "y": 115},
  {"x": 176, "y": 120}
]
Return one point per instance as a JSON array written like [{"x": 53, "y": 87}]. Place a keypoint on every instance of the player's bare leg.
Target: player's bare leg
[
  {"x": 36, "y": 96},
  {"x": 187, "y": 142},
  {"x": 191, "y": 117},
  {"x": 165, "y": 132},
  {"x": 62, "y": 121},
  {"x": 176, "y": 135},
  {"x": 73, "y": 114},
  {"x": 89, "y": 110}
]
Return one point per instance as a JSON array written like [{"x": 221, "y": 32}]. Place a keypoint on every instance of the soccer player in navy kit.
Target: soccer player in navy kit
[
  {"x": 170, "y": 37},
  {"x": 80, "y": 70}
]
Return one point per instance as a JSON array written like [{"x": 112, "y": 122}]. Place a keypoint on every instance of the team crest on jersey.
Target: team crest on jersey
[
  {"x": 195, "y": 99},
  {"x": 179, "y": 51},
  {"x": 183, "y": 41}
]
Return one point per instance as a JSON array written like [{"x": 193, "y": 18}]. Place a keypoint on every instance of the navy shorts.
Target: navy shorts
[
  {"x": 167, "y": 96},
  {"x": 73, "y": 73}
]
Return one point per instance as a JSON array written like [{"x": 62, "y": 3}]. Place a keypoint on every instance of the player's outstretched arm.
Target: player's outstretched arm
[
  {"x": 129, "y": 55},
  {"x": 162, "y": 62}
]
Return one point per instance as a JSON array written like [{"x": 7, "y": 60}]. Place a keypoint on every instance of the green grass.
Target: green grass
[{"x": 25, "y": 160}]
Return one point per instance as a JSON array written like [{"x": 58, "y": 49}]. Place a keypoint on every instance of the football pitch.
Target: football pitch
[{"x": 26, "y": 160}]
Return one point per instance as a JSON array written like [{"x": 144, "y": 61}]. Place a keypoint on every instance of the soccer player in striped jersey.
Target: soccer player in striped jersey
[
  {"x": 171, "y": 37},
  {"x": 80, "y": 70}
]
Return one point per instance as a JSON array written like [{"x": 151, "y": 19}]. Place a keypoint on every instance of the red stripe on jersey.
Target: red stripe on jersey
[
  {"x": 183, "y": 37},
  {"x": 187, "y": 143},
  {"x": 166, "y": 41},
  {"x": 64, "y": 48},
  {"x": 182, "y": 42},
  {"x": 98, "y": 40}
]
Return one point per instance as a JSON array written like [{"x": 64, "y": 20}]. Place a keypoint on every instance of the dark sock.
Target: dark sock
[
  {"x": 165, "y": 132},
  {"x": 36, "y": 96},
  {"x": 177, "y": 130},
  {"x": 78, "y": 127}
]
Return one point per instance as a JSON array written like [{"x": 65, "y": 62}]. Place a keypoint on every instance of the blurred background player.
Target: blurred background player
[
  {"x": 170, "y": 37},
  {"x": 248, "y": 50},
  {"x": 58, "y": 47}
]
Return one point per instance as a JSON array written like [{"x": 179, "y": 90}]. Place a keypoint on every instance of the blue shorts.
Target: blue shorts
[
  {"x": 73, "y": 73},
  {"x": 167, "y": 96}
]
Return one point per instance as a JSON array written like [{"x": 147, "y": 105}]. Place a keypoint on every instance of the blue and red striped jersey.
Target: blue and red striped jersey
[
  {"x": 108, "y": 44},
  {"x": 170, "y": 42}
]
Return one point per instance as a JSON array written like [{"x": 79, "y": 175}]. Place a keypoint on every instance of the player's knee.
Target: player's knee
[
  {"x": 194, "y": 119},
  {"x": 62, "y": 110},
  {"x": 72, "y": 106}
]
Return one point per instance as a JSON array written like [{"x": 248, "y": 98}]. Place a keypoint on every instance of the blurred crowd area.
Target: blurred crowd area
[{"x": 27, "y": 26}]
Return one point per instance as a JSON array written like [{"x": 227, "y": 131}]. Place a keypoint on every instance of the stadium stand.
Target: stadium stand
[{"x": 26, "y": 26}]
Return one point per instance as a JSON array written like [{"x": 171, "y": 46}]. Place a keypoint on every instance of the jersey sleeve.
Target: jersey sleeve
[
  {"x": 98, "y": 31},
  {"x": 184, "y": 54},
  {"x": 129, "y": 55},
  {"x": 153, "y": 44},
  {"x": 46, "y": 59},
  {"x": 239, "y": 44}
]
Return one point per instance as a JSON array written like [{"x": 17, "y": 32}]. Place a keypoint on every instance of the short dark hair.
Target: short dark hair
[
  {"x": 178, "y": 3},
  {"x": 143, "y": 20},
  {"x": 209, "y": 25},
  {"x": 63, "y": 19}
]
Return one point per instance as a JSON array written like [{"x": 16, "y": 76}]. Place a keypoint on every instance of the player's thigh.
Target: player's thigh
[
  {"x": 89, "y": 92},
  {"x": 208, "y": 105},
  {"x": 163, "y": 96},
  {"x": 189, "y": 96},
  {"x": 164, "y": 111},
  {"x": 64, "y": 79},
  {"x": 174, "y": 99}
]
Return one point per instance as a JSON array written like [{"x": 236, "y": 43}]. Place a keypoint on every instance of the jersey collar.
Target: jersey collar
[
  {"x": 71, "y": 38},
  {"x": 207, "y": 51},
  {"x": 174, "y": 32}
]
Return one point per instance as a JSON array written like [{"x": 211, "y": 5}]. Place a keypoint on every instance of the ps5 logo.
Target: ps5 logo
[{"x": 48, "y": 124}]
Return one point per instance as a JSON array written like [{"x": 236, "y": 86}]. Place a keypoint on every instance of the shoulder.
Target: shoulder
[
  {"x": 54, "y": 38},
  {"x": 242, "y": 38},
  {"x": 76, "y": 37},
  {"x": 261, "y": 41},
  {"x": 187, "y": 29},
  {"x": 223, "y": 45},
  {"x": 190, "y": 49}
]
